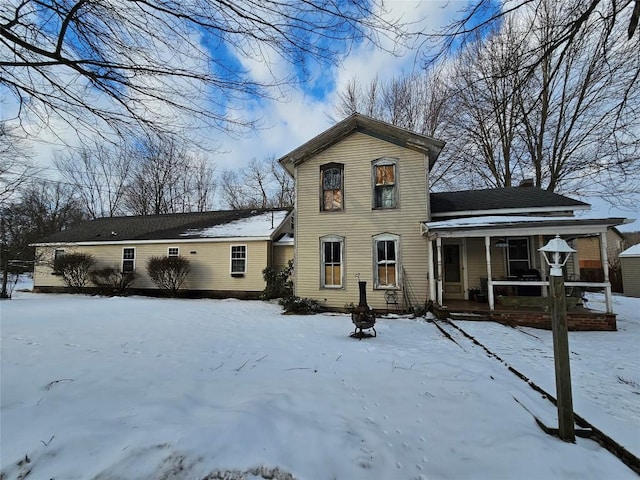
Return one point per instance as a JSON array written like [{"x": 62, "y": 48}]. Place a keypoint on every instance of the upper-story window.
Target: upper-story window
[
  {"x": 332, "y": 185},
  {"x": 173, "y": 252},
  {"x": 385, "y": 191}
]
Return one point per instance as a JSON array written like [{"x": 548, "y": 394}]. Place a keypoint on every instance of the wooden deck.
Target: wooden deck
[{"x": 578, "y": 318}]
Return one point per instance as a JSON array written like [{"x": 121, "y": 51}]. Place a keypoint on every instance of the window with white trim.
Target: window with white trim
[
  {"x": 58, "y": 253},
  {"x": 331, "y": 185},
  {"x": 386, "y": 261},
  {"x": 128, "y": 260},
  {"x": 385, "y": 190},
  {"x": 173, "y": 252},
  {"x": 517, "y": 256},
  {"x": 238, "y": 259},
  {"x": 332, "y": 255}
]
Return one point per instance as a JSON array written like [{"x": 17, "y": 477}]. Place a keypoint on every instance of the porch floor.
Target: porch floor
[
  {"x": 483, "y": 307},
  {"x": 578, "y": 318}
]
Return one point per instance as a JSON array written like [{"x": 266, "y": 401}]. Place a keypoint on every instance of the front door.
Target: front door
[{"x": 452, "y": 271}]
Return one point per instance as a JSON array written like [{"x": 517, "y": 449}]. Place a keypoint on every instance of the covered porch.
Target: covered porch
[{"x": 493, "y": 264}]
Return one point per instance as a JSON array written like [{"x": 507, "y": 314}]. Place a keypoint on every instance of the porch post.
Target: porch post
[
  {"x": 440, "y": 282},
  {"x": 487, "y": 248},
  {"x": 543, "y": 266},
  {"x": 604, "y": 259},
  {"x": 432, "y": 277}
]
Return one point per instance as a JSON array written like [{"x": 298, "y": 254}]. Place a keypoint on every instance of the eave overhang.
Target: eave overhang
[
  {"x": 369, "y": 126},
  {"x": 517, "y": 226}
]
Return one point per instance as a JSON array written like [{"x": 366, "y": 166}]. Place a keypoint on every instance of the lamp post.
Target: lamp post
[{"x": 558, "y": 249}]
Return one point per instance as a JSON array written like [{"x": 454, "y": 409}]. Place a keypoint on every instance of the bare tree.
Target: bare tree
[
  {"x": 16, "y": 167},
  {"x": 568, "y": 123},
  {"x": 420, "y": 102},
  {"x": 167, "y": 178},
  {"x": 284, "y": 194},
  {"x": 262, "y": 184},
  {"x": 480, "y": 16},
  {"x": 257, "y": 179},
  {"x": 232, "y": 190},
  {"x": 42, "y": 209},
  {"x": 202, "y": 184},
  {"x": 156, "y": 174},
  {"x": 487, "y": 118},
  {"x": 99, "y": 173},
  {"x": 156, "y": 64},
  {"x": 581, "y": 130}
]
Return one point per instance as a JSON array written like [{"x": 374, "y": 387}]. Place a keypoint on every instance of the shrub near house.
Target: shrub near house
[
  {"x": 168, "y": 273},
  {"x": 75, "y": 269},
  {"x": 226, "y": 252}
]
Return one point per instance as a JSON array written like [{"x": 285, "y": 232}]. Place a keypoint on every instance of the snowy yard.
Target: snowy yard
[{"x": 141, "y": 388}]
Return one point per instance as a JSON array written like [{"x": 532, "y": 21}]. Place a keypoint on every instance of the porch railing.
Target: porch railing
[{"x": 545, "y": 284}]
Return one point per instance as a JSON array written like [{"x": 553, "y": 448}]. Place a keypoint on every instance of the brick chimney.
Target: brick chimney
[{"x": 526, "y": 182}]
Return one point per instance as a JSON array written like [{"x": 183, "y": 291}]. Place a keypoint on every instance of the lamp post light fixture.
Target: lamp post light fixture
[{"x": 557, "y": 248}]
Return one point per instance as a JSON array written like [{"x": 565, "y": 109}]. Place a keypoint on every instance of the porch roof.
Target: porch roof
[{"x": 517, "y": 225}]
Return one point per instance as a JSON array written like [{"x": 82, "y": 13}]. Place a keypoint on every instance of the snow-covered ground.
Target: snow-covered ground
[
  {"x": 605, "y": 366},
  {"x": 141, "y": 388}
]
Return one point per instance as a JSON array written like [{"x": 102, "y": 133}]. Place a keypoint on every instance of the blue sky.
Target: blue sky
[{"x": 304, "y": 110}]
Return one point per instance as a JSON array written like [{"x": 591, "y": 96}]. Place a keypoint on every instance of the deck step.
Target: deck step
[{"x": 468, "y": 316}]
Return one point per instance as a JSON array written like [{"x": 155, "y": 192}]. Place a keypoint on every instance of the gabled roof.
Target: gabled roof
[
  {"x": 367, "y": 125},
  {"x": 497, "y": 201},
  {"x": 175, "y": 227}
]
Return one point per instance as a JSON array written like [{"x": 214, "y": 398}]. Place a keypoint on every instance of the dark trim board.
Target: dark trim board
[{"x": 154, "y": 292}]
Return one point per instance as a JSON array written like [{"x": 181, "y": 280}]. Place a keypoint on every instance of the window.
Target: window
[
  {"x": 58, "y": 253},
  {"x": 386, "y": 261},
  {"x": 331, "y": 249},
  {"x": 517, "y": 256},
  {"x": 384, "y": 183},
  {"x": 332, "y": 186},
  {"x": 238, "y": 259},
  {"x": 128, "y": 259},
  {"x": 173, "y": 252}
]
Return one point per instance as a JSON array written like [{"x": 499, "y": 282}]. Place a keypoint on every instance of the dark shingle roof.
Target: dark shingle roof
[
  {"x": 147, "y": 227},
  {"x": 492, "y": 199}
]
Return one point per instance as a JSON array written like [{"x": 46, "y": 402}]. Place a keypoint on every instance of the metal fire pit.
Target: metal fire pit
[{"x": 363, "y": 317}]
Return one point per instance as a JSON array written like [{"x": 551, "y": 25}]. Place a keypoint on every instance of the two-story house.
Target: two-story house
[
  {"x": 364, "y": 211},
  {"x": 362, "y": 193}
]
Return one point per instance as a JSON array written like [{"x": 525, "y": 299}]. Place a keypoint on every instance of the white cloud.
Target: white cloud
[
  {"x": 303, "y": 116},
  {"x": 299, "y": 115}
]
